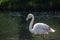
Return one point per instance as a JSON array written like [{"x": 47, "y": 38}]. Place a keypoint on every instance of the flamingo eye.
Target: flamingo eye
[{"x": 29, "y": 16}]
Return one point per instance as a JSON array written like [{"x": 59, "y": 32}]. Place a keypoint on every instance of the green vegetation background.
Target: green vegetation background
[
  {"x": 16, "y": 28},
  {"x": 17, "y": 4}
]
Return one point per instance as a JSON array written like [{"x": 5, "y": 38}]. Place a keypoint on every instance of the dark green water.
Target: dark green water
[{"x": 14, "y": 27}]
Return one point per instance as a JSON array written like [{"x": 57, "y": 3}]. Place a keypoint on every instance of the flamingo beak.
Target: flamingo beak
[{"x": 26, "y": 19}]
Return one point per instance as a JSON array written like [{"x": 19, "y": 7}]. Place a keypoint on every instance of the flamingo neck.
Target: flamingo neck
[{"x": 31, "y": 24}]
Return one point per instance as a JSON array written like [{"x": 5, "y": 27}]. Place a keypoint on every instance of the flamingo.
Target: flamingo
[{"x": 38, "y": 28}]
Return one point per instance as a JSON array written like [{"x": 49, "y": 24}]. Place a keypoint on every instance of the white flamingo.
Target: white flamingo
[{"x": 38, "y": 28}]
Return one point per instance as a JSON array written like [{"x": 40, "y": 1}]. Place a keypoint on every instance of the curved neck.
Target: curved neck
[{"x": 31, "y": 24}]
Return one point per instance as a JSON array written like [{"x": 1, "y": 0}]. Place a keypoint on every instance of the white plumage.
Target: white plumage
[{"x": 38, "y": 28}]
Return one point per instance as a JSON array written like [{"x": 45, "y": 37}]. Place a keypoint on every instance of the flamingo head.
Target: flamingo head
[{"x": 29, "y": 16}]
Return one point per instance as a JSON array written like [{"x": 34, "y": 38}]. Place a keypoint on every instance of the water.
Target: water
[{"x": 13, "y": 25}]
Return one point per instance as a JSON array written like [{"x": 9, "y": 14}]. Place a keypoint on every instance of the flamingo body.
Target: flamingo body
[{"x": 38, "y": 28}]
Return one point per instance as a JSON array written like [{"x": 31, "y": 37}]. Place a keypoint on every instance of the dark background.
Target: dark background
[
  {"x": 13, "y": 13},
  {"x": 29, "y": 5}
]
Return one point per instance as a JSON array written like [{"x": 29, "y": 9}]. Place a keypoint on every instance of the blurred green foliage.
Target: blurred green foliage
[
  {"x": 16, "y": 4},
  {"x": 8, "y": 27},
  {"x": 16, "y": 27}
]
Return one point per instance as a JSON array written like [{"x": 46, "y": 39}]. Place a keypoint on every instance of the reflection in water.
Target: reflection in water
[{"x": 13, "y": 27}]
